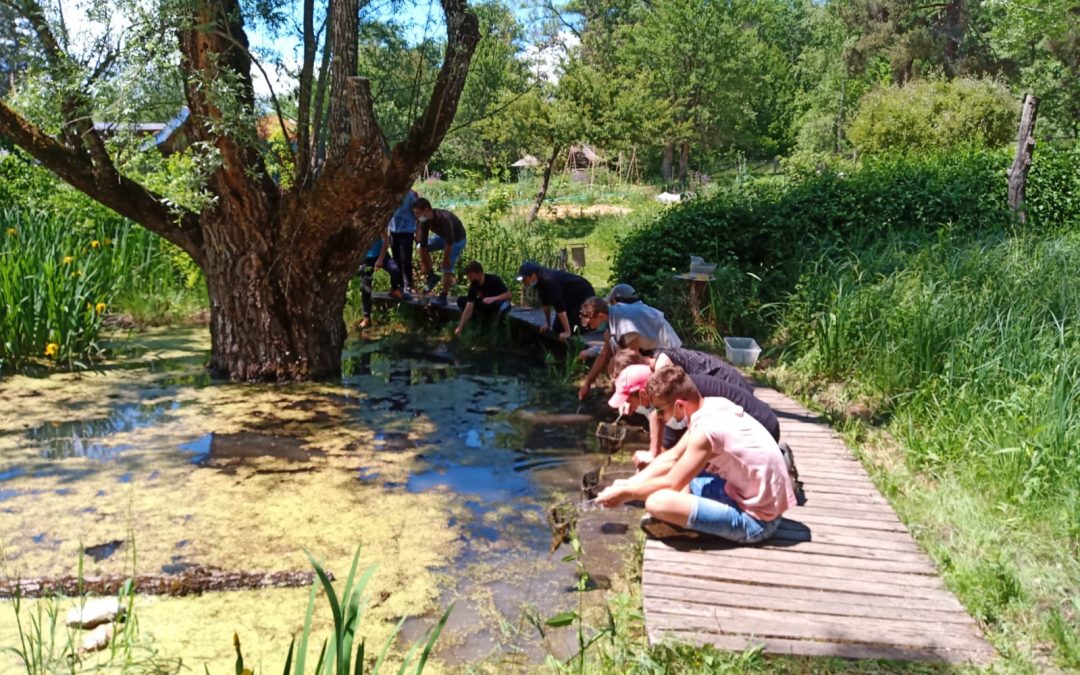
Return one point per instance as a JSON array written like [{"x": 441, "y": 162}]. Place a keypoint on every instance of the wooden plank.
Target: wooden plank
[
  {"x": 742, "y": 621},
  {"x": 766, "y": 555},
  {"x": 829, "y": 548},
  {"x": 846, "y": 650},
  {"x": 841, "y": 576},
  {"x": 912, "y": 605},
  {"x": 933, "y": 598},
  {"x": 670, "y": 587},
  {"x": 839, "y": 535},
  {"x": 838, "y": 518},
  {"x": 860, "y": 511},
  {"x": 797, "y": 570}
]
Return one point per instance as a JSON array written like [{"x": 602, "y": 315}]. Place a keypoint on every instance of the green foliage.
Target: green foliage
[
  {"x": 763, "y": 233},
  {"x": 65, "y": 262},
  {"x": 934, "y": 114},
  {"x": 54, "y": 286},
  {"x": 337, "y": 656}
]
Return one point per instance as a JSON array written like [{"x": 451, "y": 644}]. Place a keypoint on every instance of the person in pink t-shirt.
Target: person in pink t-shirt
[{"x": 725, "y": 476}]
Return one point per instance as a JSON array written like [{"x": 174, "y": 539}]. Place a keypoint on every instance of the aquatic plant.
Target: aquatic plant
[
  {"x": 336, "y": 656},
  {"x": 47, "y": 645},
  {"x": 59, "y": 276}
]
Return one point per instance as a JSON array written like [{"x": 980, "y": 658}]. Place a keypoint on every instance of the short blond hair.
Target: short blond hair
[{"x": 671, "y": 383}]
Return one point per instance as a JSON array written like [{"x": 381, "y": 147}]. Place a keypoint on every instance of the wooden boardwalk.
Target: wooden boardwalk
[{"x": 842, "y": 577}]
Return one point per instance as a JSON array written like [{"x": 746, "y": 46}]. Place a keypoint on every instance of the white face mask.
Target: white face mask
[
  {"x": 644, "y": 410},
  {"x": 424, "y": 219},
  {"x": 674, "y": 424}
]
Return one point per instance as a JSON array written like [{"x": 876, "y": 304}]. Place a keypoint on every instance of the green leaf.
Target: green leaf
[
  {"x": 431, "y": 640},
  {"x": 302, "y": 656},
  {"x": 562, "y": 619}
]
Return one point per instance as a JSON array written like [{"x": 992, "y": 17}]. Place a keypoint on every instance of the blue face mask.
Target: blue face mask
[
  {"x": 533, "y": 283},
  {"x": 602, "y": 327}
]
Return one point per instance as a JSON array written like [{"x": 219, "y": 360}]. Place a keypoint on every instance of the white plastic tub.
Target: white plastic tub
[{"x": 742, "y": 351}]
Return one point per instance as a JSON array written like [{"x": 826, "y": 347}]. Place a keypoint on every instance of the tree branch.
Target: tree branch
[
  {"x": 425, "y": 134},
  {"x": 303, "y": 115},
  {"x": 123, "y": 195},
  {"x": 215, "y": 47}
]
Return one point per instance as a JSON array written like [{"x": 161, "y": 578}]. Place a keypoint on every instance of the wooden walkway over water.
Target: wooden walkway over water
[{"x": 842, "y": 577}]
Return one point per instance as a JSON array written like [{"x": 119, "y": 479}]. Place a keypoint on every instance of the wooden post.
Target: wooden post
[{"x": 1025, "y": 145}]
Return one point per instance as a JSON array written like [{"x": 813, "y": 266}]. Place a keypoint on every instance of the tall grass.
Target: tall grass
[
  {"x": 60, "y": 275},
  {"x": 972, "y": 346}
]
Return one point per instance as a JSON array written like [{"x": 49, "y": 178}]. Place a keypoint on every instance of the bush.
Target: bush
[
  {"x": 925, "y": 115},
  {"x": 764, "y": 233},
  {"x": 935, "y": 115},
  {"x": 59, "y": 276}
]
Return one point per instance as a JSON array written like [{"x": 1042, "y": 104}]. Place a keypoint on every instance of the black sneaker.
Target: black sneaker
[
  {"x": 440, "y": 299},
  {"x": 432, "y": 282},
  {"x": 658, "y": 529},
  {"x": 793, "y": 473}
]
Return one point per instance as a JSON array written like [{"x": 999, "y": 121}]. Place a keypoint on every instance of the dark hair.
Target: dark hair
[
  {"x": 474, "y": 267},
  {"x": 624, "y": 358},
  {"x": 421, "y": 203}
]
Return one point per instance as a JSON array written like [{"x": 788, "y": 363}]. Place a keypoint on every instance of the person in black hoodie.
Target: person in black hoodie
[{"x": 560, "y": 291}]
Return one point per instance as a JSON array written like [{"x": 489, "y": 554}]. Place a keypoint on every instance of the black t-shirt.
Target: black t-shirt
[
  {"x": 491, "y": 286},
  {"x": 709, "y": 385},
  {"x": 445, "y": 224},
  {"x": 703, "y": 363},
  {"x": 559, "y": 290}
]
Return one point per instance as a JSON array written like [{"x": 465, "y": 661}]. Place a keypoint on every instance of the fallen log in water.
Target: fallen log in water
[{"x": 192, "y": 581}]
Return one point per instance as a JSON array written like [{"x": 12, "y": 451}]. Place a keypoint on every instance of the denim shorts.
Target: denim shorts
[
  {"x": 436, "y": 243},
  {"x": 714, "y": 512}
]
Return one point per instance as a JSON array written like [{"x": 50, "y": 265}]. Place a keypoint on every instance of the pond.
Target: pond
[{"x": 441, "y": 463}]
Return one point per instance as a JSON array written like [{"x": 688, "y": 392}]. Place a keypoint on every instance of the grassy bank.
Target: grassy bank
[{"x": 955, "y": 364}]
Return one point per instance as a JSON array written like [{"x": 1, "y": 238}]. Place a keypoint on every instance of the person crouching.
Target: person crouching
[{"x": 738, "y": 483}]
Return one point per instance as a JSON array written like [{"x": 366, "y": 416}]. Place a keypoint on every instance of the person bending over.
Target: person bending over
[
  {"x": 690, "y": 360},
  {"x": 438, "y": 230},
  {"x": 632, "y": 325},
  {"x": 374, "y": 260},
  {"x": 560, "y": 291},
  {"x": 630, "y": 396},
  {"x": 488, "y": 296},
  {"x": 738, "y": 484}
]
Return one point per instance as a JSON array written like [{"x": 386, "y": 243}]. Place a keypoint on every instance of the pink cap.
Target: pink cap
[{"x": 631, "y": 380}]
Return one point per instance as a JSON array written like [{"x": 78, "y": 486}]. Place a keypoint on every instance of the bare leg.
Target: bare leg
[
  {"x": 670, "y": 506},
  {"x": 447, "y": 282},
  {"x": 425, "y": 261}
]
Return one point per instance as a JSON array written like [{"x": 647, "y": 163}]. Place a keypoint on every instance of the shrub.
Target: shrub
[
  {"x": 938, "y": 115},
  {"x": 59, "y": 275}
]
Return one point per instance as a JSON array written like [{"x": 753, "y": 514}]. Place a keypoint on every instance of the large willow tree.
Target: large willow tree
[{"x": 277, "y": 261}]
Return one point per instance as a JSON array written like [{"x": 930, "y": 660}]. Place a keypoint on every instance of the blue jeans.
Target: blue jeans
[
  {"x": 436, "y": 243},
  {"x": 715, "y": 513}
]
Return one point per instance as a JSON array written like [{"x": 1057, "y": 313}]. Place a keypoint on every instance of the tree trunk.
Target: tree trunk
[
  {"x": 667, "y": 161},
  {"x": 540, "y": 196},
  {"x": 1025, "y": 145},
  {"x": 277, "y": 262},
  {"x": 684, "y": 161},
  {"x": 277, "y": 315}
]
